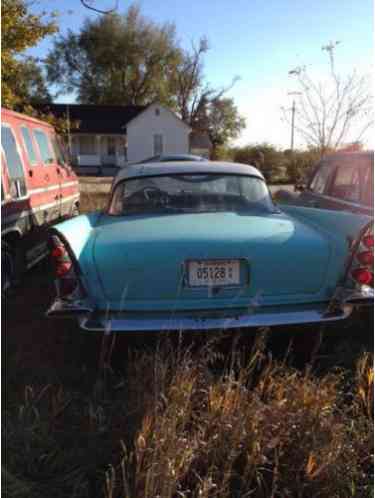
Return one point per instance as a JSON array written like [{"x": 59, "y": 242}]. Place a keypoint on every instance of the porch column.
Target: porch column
[
  {"x": 98, "y": 154},
  {"x": 120, "y": 159}
]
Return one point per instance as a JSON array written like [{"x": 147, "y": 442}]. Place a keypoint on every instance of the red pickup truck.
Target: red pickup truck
[{"x": 38, "y": 188}]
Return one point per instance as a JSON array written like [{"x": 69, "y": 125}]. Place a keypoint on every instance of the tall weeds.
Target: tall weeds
[{"x": 196, "y": 423}]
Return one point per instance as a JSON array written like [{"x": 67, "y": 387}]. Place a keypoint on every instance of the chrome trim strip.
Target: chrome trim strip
[
  {"x": 27, "y": 212},
  {"x": 53, "y": 187},
  {"x": 189, "y": 323},
  {"x": 37, "y": 259},
  {"x": 65, "y": 308}
]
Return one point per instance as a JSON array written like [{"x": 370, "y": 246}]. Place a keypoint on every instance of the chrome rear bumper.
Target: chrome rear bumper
[
  {"x": 168, "y": 323},
  {"x": 339, "y": 308}
]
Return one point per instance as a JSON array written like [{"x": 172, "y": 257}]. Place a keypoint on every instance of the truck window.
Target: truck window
[
  {"x": 29, "y": 146},
  {"x": 368, "y": 186},
  {"x": 347, "y": 185},
  {"x": 14, "y": 163},
  {"x": 320, "y": 180},
  {"x": 44, "y": 147}
]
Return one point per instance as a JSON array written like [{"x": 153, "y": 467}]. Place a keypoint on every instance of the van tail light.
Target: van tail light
[
  {"x": 66, "y": 277},
  {"x": 362, "y": 271}
]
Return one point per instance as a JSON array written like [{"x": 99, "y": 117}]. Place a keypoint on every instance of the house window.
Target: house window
[
  {"x": 44, "y": 146},
  {"x": 111, "y": 146},
  {"x": 87, "y": 145},
  {"x": 158, "y": 144}
]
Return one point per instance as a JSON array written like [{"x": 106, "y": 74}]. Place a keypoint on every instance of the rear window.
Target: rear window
[
  {"x": 44, "y": 147},
  {"x": 29, "y": 146},
  {"x": 191, "y": 193}
]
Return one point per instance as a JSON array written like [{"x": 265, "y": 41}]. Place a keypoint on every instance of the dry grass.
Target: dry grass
[
  {"x": 92, "y": 202},
  {"x": 185, "y": 423},
  {"x": 94, "y": 194}
]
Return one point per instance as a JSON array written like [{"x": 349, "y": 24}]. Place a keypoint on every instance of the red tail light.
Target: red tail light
[
  {"x": 363, "y": 276},
  {"x": 61, "y": 259},
  {"x": 63, "y": 266},
  {"x": 366, "y": 258},
  {"x": 362, "y": 269},
  {"x": 58, "y": 252},
  {"x": 368, "y": 241},
  {"x": 63, "y": 269}
]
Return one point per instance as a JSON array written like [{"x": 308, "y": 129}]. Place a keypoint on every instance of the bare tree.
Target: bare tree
[
  {"x": 193, "y": 94},
  {"x": 328, "y": 113}
]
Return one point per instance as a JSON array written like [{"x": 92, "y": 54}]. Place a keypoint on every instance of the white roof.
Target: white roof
[{"x": 185, "y": 167}]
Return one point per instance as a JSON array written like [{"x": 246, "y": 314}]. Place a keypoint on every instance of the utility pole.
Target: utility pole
[
  {"x": 292, "y": 132},
  {"x": 69, "y": 135},
  {"x": 293, "y": 119}
]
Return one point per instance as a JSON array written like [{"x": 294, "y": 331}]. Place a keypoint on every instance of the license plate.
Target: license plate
[{"x": 205, "y": 273}]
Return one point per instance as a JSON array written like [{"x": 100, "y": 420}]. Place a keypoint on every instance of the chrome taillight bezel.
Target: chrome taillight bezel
[
  {"x": 66, "y": 269},
  {"x": 361, "y": 270}
]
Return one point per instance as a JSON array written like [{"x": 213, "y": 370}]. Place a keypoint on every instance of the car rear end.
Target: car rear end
[{"x": 212, "y": 269}]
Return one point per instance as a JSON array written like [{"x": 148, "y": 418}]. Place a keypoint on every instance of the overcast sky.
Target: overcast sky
[{"x": 258, "y": 40}]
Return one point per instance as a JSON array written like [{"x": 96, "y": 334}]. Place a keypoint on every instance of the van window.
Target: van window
[
  {"x": 14, "y": 163},
  {"x": 29, "y": 146},
  {"x": 59, "y": 154},
  {"x": 44, "y": 147}
]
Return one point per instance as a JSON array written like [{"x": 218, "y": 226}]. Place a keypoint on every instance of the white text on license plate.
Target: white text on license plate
[{"x": 214, "y": 272}]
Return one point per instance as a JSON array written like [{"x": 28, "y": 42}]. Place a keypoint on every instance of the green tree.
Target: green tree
[
  {"x": 266, "y": 157},
  {"x": 116, "y": 59},
  {"x": 224, "y": 122},
  {"x": 22, "y": 81}
]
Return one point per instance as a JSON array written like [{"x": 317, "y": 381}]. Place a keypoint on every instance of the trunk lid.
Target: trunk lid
[{"x": 140, "y": 259}]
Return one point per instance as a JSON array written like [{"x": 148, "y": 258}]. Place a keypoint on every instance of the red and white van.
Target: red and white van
[{"x": 38, "y": 188}]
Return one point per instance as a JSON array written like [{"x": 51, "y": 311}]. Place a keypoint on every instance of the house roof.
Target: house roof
[
  {"x": 199, "y": 140},
  {"x": 96, "y": 118}
]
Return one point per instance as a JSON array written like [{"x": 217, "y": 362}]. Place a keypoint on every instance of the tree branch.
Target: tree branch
[{"x": 86, "y": 4}]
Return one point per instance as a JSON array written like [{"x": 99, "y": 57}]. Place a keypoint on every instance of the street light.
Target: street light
[{"x": 293, "y": 115}]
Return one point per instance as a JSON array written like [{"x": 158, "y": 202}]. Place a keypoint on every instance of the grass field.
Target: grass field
[{"x": 176, "y": 416}]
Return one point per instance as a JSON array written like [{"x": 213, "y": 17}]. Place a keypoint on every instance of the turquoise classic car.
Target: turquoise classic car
[{"x": 201, "y": 245}]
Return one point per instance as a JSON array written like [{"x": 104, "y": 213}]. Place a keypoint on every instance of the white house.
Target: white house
[{"x": 110, "y": 135}]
